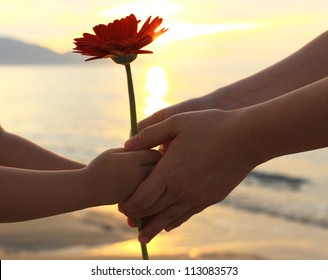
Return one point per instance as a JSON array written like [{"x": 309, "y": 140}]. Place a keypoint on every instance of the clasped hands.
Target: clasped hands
[
  {"x": 204, "y": 157},
  {"x": 206, "y": 153}
]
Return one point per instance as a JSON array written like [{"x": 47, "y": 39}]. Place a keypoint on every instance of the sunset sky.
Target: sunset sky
[{"x": 54, "y": 23}]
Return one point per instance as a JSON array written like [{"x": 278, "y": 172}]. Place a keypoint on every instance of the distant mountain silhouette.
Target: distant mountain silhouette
[{"x": 16, "y": 52}]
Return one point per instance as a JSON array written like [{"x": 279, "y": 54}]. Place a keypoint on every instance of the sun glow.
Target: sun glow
[
  {"x": 169, "y": 11},
  {"x": 143, "y": 9},
  {"x": 182, "y": 30},
  {"x": 157, "y": 87}
]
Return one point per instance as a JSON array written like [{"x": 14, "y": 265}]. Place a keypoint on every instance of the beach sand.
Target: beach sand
[{"x": 101, "y": 233}]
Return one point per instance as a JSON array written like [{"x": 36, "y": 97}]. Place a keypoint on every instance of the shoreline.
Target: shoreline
[{"x": 103, "y": 234}]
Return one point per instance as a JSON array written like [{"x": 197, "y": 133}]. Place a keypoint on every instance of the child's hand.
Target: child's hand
[{"x": 115, "y": 174}]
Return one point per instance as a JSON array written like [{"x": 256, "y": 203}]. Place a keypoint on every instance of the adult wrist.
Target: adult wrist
[
  {"x": 225, "y": 98},
  {"x": 258, "y": 134}
]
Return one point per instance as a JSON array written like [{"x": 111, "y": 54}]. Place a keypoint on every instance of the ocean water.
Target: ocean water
[{"x": 79, "y": 111}]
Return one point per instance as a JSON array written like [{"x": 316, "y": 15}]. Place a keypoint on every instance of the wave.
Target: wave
[
  {"x": 280, "y": 196},
  {"x": 275, "y": 180}
]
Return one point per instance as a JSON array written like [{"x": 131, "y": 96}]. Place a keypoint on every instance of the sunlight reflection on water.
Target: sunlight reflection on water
[{"x": 157, "y": 86}]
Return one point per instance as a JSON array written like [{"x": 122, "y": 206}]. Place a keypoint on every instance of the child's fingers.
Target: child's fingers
[
  {"x": 116, "y": 150},
  {"x": 145, "y": 157}
]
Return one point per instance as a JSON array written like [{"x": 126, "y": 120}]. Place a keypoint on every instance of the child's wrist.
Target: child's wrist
[{"x": 87, "y": 186}]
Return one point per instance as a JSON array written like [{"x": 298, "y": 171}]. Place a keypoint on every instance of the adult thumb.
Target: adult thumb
[{"x": 150, "y": 137}]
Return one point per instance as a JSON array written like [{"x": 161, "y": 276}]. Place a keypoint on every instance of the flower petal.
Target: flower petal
[{"x": 118, "y": 38}]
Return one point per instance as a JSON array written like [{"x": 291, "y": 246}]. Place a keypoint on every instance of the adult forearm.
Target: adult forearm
[
  {"x": 295, "y": 122},
  {"x": 307, "y": 65},
  {"x": 29, "y": 194}
]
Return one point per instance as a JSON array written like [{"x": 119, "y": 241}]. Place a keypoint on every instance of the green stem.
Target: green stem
[{"x": 134, "y": 131}]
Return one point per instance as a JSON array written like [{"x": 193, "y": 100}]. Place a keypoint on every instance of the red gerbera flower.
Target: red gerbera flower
[{"x": 119, "y": 40}]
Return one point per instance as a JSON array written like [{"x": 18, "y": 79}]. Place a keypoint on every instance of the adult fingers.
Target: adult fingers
[
  {"x": 194, "y": 104},
  {"x": 153, "y": 195},
  {"x": 153, "y": 119},
  {"x": 133, "y": 222},
  {"x": 185, "y": 217},
  {"x": 151, "y": 136},
  {"x": 162, "y": 220},
  {"x": 147, "y": 157},
  {"x": 174, "y": 224},
  {"x": 146, "y": 195}
]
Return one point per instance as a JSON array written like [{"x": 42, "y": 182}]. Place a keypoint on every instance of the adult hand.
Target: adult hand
[
  {"x": 194, "y": 104},
  {"x": 208, "y": 155}
]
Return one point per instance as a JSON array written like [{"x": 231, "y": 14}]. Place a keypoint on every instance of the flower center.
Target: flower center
[{"x": 124, "y": 58}]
